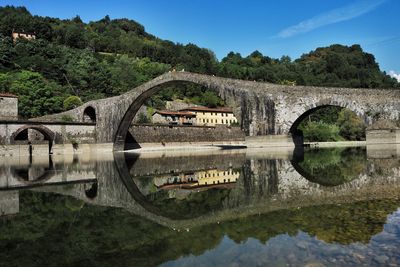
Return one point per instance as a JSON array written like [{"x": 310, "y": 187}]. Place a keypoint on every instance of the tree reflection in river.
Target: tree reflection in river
[
  {"x": 332, "y": 167},
  {"x": 78, "y": 234}
]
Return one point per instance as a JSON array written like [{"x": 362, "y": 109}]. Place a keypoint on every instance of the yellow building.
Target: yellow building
[{"x": 212, "y": 116}]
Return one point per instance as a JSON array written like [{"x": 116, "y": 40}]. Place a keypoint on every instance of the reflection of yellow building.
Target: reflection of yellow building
[
  {"x": 212, "y": 116},
  {"x": 213, "y": 177},
  {"x": 177, "y": 180},
  {"x": 197, "y": 179}
]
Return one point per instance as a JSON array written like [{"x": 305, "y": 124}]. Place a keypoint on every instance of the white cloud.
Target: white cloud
[
  {"x": 334, "y": 16},
  {"x": 394, "y": 75}
]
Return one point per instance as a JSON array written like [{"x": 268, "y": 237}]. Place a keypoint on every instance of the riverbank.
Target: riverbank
[
  {"x": 335, "y": 144},
  {"x": 280, "y": 143}
]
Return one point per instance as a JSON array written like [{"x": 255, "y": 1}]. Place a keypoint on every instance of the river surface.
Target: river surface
[{"x": 311, "y": 207}]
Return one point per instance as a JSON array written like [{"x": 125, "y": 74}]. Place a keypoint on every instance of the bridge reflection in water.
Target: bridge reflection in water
[{"x": 219, "y": 194}]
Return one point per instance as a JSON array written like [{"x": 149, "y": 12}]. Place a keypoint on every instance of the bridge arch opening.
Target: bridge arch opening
[
  {"x": 125, "y": 140},
  {"x": 89, "y": 115},
  {"x": 328, "y": 123},
  {"x": 34, "y": 134}
]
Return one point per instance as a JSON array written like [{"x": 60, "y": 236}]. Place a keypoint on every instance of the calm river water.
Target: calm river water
[{"x": 312, "y": 207}]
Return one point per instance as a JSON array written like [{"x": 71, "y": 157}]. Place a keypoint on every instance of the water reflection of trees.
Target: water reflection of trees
[
  {"x": 193, "y": 205},
  {"x": 102, "y": 236},
  {"x": 331, "y": 167}
]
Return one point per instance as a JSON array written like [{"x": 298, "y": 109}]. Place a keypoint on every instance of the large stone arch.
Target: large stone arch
[{"x": 122, "y": 131}]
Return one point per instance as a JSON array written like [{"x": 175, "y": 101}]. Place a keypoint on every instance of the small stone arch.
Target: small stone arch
[
  {"x": 89, "y": 114},
  {"x": 22, "y": 134},
  {"x": 43, "y": 174}
]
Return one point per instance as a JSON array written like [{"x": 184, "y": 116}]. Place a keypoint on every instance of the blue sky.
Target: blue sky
[{"x": 275, "y": 28}]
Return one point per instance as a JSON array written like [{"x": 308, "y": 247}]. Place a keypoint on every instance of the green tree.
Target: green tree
[
  {"x": 72, "y": 102},
  {"x": 37, "y": 96},
  {"x": 350, "y": 125},
  {"x": 211, "y": 100},
  {"x": 320, "y": 132}
]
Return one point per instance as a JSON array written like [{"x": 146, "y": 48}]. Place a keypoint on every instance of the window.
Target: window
[{"x": 204, "y": 113}]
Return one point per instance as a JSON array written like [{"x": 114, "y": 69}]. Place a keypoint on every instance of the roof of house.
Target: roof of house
[
  {"x": 205, "y": 109},
  {"x": 175, "y": 113},
  {"x": 8, "y": 95}
]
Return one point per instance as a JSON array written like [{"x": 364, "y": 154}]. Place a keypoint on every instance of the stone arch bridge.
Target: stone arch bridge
[{"x": 262, "y": 108}]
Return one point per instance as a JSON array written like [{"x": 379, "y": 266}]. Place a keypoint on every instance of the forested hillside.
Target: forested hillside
[{"x": 71, "y": 59}]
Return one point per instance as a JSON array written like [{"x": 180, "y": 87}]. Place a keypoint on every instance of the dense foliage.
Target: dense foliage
[
  {"x": 111, "y": 56},
  {"x": 332, "y": 123}
]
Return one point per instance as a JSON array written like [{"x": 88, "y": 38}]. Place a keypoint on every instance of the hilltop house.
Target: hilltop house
[{"x": 24, "y": 35}]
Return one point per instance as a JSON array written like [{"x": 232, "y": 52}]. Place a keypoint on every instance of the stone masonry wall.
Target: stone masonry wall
[
  {"x": 167, "y": 134},
  {"x": 8, "y": 107},
  {"x": 383, "y": 136}
]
